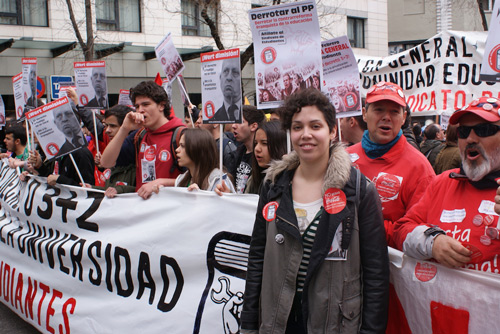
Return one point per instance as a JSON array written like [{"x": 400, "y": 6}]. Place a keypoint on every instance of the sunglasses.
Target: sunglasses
[{"x": 481, "y": 130}]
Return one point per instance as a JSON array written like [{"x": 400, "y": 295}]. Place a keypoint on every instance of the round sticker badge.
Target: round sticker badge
[
  {"x": 488, "y": 220},
  {"x": 485, "y": 240},
  {"x": 334, "y": 200},
  {"x": 164, "y": 155},
  {"x": 388, "y": 185},
  {"x": 53, "y": 148},
  {"x": 269, "y": 211},
  {"x": 487, "y": 107},
  {"x": 477, "y": 220},
  {"x": 492, "y": 100},
  {"x": 474, "y": 103},
  {"x": 149, "y": 154},
  {"x": 268, "y": 55},
  {"x": 84, "y": 99},
  {"x": 424, "y": 272}
]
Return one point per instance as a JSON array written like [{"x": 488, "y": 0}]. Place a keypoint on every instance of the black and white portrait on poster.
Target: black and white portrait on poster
[
  {"x": 57, "y": 128},
  {"x": 29, "y": 83},
  {"x": 221, "y": 86},
  {"x": 91, "y": 84}
]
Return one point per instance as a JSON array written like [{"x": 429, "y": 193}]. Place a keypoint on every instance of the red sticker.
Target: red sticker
[
  {"x": 477, "y": 220},
  {"x": 488, "y": 220},
  {"x": 424, "y": 272},
  {"x": 485, "y": 240},
  {"x": 52, "y": 148},
  {"x": 334, "y": 200},
  {"x": 149, "y": 154},
  {"x": 476, "y": 256},
  {"x": 269, "y": 211},
  {"x": 388, "y": 185},
  {"x": 164, "y": 155},
  {"x": 268, "y": 55},
  {"x": 107, "y": 173}
]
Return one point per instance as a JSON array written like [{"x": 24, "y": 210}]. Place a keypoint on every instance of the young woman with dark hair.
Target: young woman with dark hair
[
  {"x": 318, "y": 259},
  {"x": 269, "y": 144},
  {"x": 197, "y": 153}
]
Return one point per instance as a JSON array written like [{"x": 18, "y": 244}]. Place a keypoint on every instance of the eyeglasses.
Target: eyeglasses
[{"x": 481, "y": 130}]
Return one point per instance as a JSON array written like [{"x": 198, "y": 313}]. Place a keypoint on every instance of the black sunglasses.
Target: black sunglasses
[{"x": 481, "y": 130}]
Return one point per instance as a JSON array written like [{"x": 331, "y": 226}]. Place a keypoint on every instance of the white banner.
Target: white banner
[
  {"x": 490, "y": 67},
  {"x": 71, "y": 260},
  {"x": 74, "y": 261},
  {"x": 437, "y": 299},
  {"x": 287, "y": 45},
  {"x": 341, "y": 76},
  {"x": 439, "y": 75}
]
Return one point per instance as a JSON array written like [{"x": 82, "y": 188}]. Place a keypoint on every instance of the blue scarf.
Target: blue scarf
[{"x": 374, "y": 150}]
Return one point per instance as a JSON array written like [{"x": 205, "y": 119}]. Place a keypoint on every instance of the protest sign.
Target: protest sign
[
  {"x": 169, "y": 57},
  {"x": 490, "y": 66},
  {"x": 17, "y": 86},
  {"x": 341, "y": 76},
  {"x": 167, "y": 87},
  {"x": 64, "y": 86},
  {"x": 221, "y": 86},
  {"x": 2, "y": 112},
  {"x": 287, "y": 48},
  {"x": 124, "y": 98},
  {"x": 91, "y": 83},
  {"x": 70, "y": 257},
  {"x": 57, "y": 128},
  {"x": 29, "y": 82},
  {"x": 439, "y": 75}
]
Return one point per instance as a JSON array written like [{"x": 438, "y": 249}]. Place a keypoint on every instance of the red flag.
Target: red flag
[{"x": 158, "y": 79}]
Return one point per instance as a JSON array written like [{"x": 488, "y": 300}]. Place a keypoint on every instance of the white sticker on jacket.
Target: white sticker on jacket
[
  {"x": 452, "y": 216},
  {"x": 354, "y": 157},
  {"x": 487, "y": 207},
  {"x": 336, "y": 253}
]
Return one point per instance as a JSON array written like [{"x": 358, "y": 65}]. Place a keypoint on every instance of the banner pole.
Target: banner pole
[
  {"x": 96, "y": 137},
  {"x": 28, "y": 135},
  {"x": 76, "y": 168},
  {"x": 221, "y": 142}
]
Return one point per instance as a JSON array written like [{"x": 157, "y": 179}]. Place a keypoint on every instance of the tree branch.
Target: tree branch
[
  {"x": 483, "y": 16},
  {"x": 213, "y": 28}
]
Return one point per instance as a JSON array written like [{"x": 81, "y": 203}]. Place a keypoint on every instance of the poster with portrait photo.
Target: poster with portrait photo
[
  {"x": 17, "y": 87},
  {"x": 167, "y": 87},
  {"x": 124, "y": 98},
  {"x": 57, "y": 128},
  {"x": 287, "y": 48},
  {"x": 341, "y": 77},
  {"x": 221, "y": 87},
  {"x": 183, "y": 90},
  {"x": 2, "y": 112},
  {"x": 169, "y": 58},
  {"x": 91, "y": 84},
  {"x": 64, "y": 86},
  {"x": 29, "y": 83}
]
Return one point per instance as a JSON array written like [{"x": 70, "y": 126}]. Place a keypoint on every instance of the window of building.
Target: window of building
[
  {"x": 356, "y": 32},
  {"x": 192, "y": 22},
  {"x": 487, "y": 5},
  {"x": 118, "y": 15},
  {"x": 24, "y": 12}
]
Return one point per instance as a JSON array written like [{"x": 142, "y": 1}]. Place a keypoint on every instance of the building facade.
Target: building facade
[{"x": 126, "y": 32}]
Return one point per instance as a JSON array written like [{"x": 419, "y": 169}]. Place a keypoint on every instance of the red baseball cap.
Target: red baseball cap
[
  {"x": 386, "y": 91},
  {"x": 485, "y": 107}
]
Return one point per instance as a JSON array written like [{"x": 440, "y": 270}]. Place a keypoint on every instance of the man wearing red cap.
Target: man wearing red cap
[
  {"x": 400, "y": 172},
  {"x": 455, "y": 222}
]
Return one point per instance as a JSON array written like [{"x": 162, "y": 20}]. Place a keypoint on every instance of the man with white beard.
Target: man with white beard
[{"x": 455, "y": 221}]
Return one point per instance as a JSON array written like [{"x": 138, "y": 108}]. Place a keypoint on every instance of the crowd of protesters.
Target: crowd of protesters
[{"x": 326, "y": 211}]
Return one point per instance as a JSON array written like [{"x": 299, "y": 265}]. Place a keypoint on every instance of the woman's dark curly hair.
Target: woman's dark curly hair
[{"x": 303, "y": 98}]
